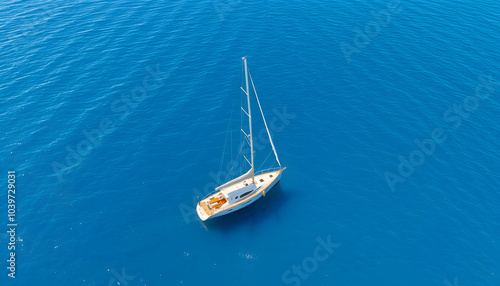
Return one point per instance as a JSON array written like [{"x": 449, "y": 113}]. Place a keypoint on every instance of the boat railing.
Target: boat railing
[
  {"x": 257, "y": 173},
  {"x": 268, "y": 170}
]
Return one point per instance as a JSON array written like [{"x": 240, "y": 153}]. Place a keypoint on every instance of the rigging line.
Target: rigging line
[
  {"x": 225, "y": 145},
  {"x": 235, "y": 163},
  {"x": 232, "y": 170},
  {"x": 239, "y": 157},
  {"x": 231, "y": 146},
  {"x": 225, "y": 141},
  {"x": 241, "y": 137},
  {"x": 265, "y": 160},
  {"x": 241, "y": 105},
  {"x": 267, "y": 129}
]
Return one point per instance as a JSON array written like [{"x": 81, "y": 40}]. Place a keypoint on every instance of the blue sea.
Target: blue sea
[{"x": 118, "y": 116}]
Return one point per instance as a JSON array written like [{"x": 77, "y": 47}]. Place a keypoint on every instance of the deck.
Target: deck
[{"x": 261, "y": 180}]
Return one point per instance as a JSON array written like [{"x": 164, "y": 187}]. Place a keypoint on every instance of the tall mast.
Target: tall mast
[{"x": 247, "y": 91}]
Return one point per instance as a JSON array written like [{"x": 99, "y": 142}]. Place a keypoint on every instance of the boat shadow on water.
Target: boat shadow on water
[{"x": 263, "y": 209}]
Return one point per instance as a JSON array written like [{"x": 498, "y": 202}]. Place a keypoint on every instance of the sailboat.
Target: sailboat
[{"x": 249, "y": 187}]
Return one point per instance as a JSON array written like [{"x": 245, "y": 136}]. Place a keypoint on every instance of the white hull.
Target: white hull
[
  {"x": 265, "y": 187},
  {"x": 249, "y": 187}
]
